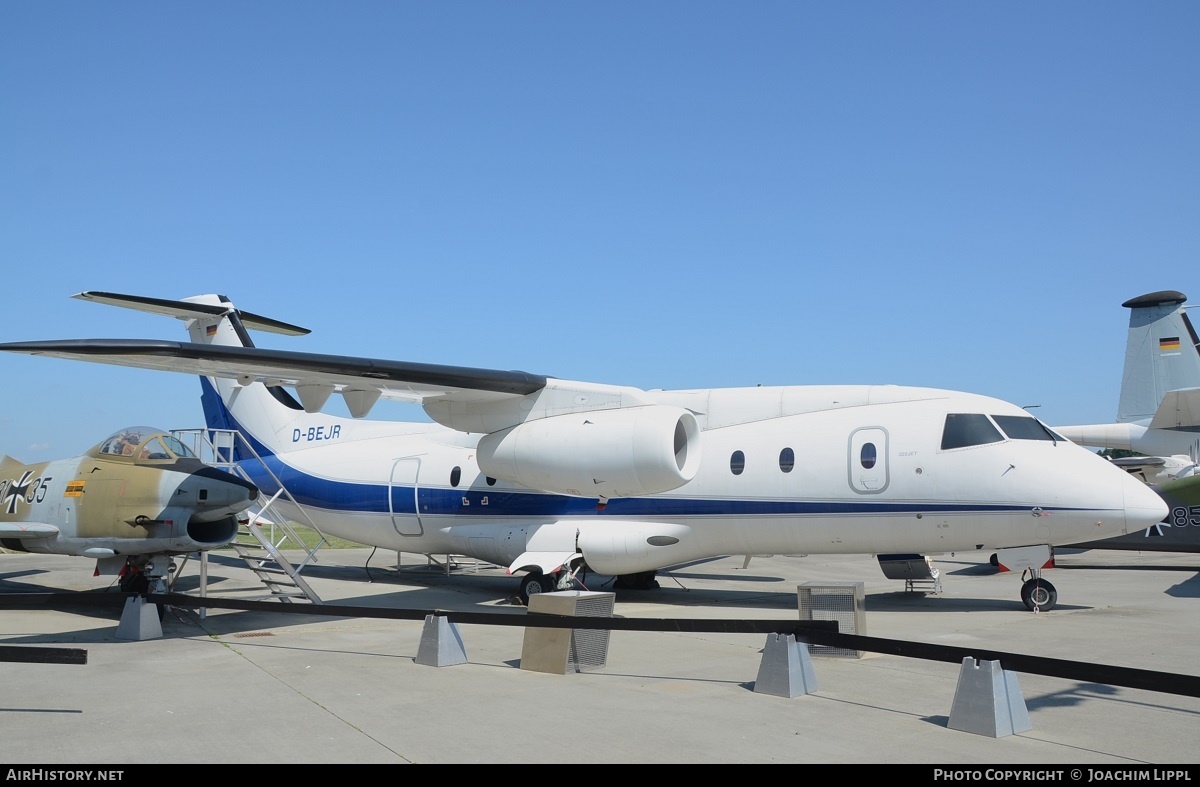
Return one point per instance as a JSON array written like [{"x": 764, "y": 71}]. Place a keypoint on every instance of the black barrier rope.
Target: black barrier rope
[
  {"x": 815, "y": 632},
  {"x": 32, "y": 654}
]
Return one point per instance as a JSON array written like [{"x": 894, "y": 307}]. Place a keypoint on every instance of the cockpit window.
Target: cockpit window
[
  {"x": 153, "y": 449},
  {"x": 965, "y": 429},
  {"x": 143, "y": 442},
  {"x": 125, "y": 442},
  {"x": 1022, "y": 427},
  {"x": 174, "y": 446}
]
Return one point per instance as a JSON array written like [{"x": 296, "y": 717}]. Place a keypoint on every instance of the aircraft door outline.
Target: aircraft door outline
[
  {"x": 867, "y": 464},
  {"x": 405, "y": 472}
]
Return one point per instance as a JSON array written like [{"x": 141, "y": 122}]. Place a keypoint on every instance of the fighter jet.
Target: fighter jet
[{"x": 134, "y": 501}]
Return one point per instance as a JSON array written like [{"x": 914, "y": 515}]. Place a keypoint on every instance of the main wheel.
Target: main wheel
[
  {"x": 1039, "y": 595},
  {"x": 532, "y": 584}
]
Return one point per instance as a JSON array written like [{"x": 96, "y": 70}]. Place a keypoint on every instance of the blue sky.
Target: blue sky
[{"x": 664, "y": 195}]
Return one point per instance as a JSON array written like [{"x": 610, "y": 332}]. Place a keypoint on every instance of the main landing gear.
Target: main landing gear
[
  {"x": 563, "y": 579},
  {"x": 133, "y": 580},
  {"x": 144, "y": 574},
  {"x": 532, "y": 584}
]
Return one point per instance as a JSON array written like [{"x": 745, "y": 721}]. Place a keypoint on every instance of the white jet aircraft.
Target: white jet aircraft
[
  {"x": 552, "y": 477},
  {"x": 1159, "y": 410}
]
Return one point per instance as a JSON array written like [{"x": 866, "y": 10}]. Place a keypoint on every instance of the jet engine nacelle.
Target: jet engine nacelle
[{"x": 600, "y": 453}]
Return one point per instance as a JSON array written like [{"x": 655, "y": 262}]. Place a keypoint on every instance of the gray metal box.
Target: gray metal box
[
  {"x": 844, "y": 602},
  {"x": 560, "y": 651}
]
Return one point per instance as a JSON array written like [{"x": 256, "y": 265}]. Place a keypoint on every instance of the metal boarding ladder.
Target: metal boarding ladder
[
  {"x": 281, "y": 577},
  {"x": 273, "y": 569}
]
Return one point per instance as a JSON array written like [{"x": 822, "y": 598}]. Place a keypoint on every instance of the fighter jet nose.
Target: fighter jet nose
[
  {"x": 219, "y": 488},
  {"x": 248, "y": 492},
  {"x": 250, "y": 489},
  {"x": 1143, "y": 506}
]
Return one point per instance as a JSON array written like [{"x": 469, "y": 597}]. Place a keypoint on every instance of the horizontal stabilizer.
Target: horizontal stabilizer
[
  {"x": 1157, "y": 469},
  {"x": 27, "y": 530},
  {"x": 1139, "y": 461},
  {"x": 186, "y": 310},
  {"x": 1179, "y": 409}
]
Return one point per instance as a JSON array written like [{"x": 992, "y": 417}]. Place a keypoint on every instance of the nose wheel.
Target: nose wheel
[{"x": 1038, "y": 595}]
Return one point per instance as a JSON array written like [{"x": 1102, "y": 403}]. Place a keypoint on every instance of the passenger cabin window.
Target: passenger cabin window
[
  {"x": 737, "y": 462},
  {"x": 455, "y": 476},
  {"x": 787, "y": 460},
  {"x": 867, "y": 455},
  {"x": 1023, "y": 427},
  {"x": 966, "y": 429}
]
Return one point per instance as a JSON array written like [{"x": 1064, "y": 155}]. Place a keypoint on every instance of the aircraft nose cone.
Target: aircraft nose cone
[{"x": 1143, "y": 506}]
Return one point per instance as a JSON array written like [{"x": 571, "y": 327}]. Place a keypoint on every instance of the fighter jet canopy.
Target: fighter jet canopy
[{"x": 142, "y": 442}]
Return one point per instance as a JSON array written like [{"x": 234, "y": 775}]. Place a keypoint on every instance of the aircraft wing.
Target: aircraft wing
[
  {"x": 27, "y": 530},
  {"x": 464, "y": 398},
  {"x": 396, "y": 379}
]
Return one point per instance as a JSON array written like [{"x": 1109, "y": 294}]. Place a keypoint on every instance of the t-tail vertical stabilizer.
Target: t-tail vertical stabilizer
[
  {"x": 1161, "y": 354},
  {"x": 259, "y": 411},
  {"x": 1159, "y": 409}
]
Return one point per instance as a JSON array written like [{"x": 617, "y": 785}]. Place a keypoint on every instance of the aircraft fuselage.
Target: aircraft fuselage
[{"x": 820, "y": 469}]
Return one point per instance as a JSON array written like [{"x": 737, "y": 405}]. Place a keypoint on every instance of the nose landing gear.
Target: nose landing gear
[{"x": 1037, "y": 594}]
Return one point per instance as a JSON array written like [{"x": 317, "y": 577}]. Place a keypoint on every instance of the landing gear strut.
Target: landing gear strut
[
  {"x": 1037, "y": 594},
  {"x": 133, "y": 580},
  {"x": 147, "y": 574},
  {"x": 563, "y": 579}
]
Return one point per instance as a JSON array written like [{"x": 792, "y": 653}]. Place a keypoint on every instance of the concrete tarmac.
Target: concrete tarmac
[{"x": 253, "y": 687}]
